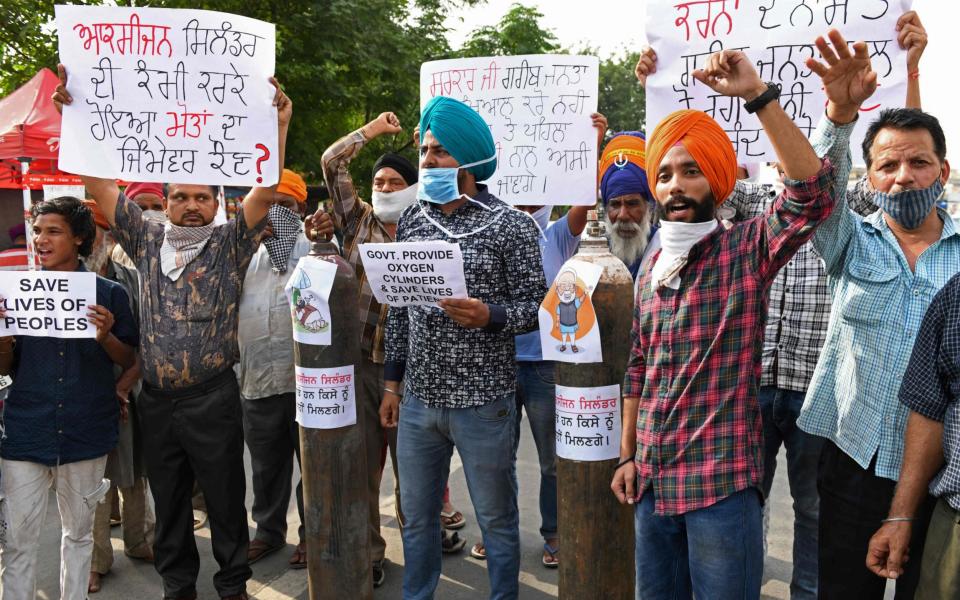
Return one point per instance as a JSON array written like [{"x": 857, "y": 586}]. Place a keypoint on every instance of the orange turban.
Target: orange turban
[
  {"x": 293, "y": 185},
  {"x": 705, "y": 140},
  {"x": 98, "y": 216}
]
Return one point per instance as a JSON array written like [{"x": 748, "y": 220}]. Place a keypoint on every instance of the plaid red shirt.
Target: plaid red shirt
[{"x": 696, "y": 357}]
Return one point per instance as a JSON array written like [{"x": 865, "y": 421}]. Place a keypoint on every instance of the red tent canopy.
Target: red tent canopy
[{"x": 30, "y": 127}]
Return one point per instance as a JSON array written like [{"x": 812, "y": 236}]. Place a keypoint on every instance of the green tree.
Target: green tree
[
  {"x": 518, "y": 32},
  {"x": 622, "y": 98}
]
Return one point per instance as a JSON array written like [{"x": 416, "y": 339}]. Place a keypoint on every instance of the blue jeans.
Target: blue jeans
[
  {"x": 715, "y": 552},
  {"x": 536, "y": 392},
  {"x": 779, "y": 409},
  {"x": 484, "y": 438}
]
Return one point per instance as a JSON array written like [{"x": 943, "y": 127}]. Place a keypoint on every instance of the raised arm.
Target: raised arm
[
  {"x": 912, "y": 37},
  {"x": 259, "y": 199}
]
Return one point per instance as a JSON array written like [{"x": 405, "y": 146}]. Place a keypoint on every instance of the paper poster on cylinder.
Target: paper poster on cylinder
[
  {"x": 326, "y": 398},
  {"x": 308, "y": 291},
  {"x": 588, "y": 422},
  {"x": 569, "y": 331}
]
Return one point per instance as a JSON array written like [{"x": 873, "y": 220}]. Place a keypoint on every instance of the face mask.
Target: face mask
[
  {"x": 286, "y": 228},
  {"x": 155, "y": 216},
  {"x": 388, "y": 206},
  {"x": 910, "y": 207},
  {"x": 439, "y": 184}
]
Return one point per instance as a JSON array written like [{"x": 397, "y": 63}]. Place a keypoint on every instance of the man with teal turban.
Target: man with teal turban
[{"x": 458, "y": 362}]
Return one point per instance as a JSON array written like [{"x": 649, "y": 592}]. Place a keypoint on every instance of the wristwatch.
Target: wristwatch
[{"x": 772, "y": 93}]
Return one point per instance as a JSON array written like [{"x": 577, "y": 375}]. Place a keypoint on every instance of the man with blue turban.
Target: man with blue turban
[
  {"x": 457, "y": 359},
  {"x": 628, "y": 207}
]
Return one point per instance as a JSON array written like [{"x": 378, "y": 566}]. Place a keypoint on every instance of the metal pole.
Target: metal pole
[
  {"x": 592, "y": 524},
  {"x": 333, "y": 461},
  {"x": 27, "y": 205}
]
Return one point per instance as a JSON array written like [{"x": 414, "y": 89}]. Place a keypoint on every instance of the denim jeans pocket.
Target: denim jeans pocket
[
  {"x": 546, "y": 371},
  {"x": 499, "y": 410}
]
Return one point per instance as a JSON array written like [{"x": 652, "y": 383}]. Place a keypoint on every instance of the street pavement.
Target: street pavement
[{"x": 464, "y": 578}]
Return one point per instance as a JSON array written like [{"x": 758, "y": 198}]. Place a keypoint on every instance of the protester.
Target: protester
[
  {"x": 459, "y": 359},
  {"x": 900, "y": 257},
  {"x": 60, "y": 419},
  {"x": 931, "y": 458},
  {"x": 627, "y": 201},
  {"x": 192, "y": 272},
  {"x": 266, "y": 372},
  {"x": 125, "y": 468},
  {"x": 360, "y": 222},
  {"x": 691, "y": 451},
  {"x": 15, "y": 257}
]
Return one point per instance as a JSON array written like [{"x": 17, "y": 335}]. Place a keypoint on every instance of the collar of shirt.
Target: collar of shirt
[{"x": 876, "y": 222}]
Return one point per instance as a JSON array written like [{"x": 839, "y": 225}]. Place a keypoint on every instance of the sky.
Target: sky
[{"x": 611, "y": 26}]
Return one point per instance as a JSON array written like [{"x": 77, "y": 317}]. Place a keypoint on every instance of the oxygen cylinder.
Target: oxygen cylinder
[
  {"x": 333, "y": 461},
  {"x": 596, "y": 532}
]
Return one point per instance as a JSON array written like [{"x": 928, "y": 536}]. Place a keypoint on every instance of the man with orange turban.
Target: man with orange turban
[{"x": 692, "y": 443}]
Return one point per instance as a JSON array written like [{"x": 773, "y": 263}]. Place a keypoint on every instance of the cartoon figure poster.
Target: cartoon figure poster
[
  {"x": 308, "y": 290},
  {"x": 569, "y": 331}
]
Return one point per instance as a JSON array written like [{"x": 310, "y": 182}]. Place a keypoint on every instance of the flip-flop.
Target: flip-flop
[
  {"x": 452, "y": 544},
  {"x": 452, "y": 520},
  {"x": 550, "y": 559},
  {"x": 258, "y": 549},
  {"x": 299, "y": 558},
  {"x": 479, "y": 551}
]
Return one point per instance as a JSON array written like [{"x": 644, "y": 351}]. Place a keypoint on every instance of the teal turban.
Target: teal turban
[{"x": 462, "y": 132}]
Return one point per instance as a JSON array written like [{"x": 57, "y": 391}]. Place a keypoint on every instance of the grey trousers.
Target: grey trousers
[{"x": 273, "y": 437}]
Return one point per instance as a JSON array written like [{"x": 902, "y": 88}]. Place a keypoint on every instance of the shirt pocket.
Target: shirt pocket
[{"x": 871, "y": 293}]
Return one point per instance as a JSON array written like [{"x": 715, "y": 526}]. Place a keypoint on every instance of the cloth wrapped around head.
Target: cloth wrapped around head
[
  {"x": 623, "y": 167},
  {"x": 463, "y": 132},
  {"x": 706, "y": 142},
  {"x": 292, "y": 184},
  {"x": 398, "y": 163},
  {"x": 135, "y": 189},
  {"x": 98, "y": 217}
]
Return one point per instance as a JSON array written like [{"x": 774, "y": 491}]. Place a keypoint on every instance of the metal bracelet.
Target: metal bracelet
[
  {"x": 897, "y": 520},
  {"x": 394, "y": 392}
]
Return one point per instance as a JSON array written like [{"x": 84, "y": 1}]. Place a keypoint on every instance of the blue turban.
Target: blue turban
[
  {"x": 463, "y": 132},
  {"x": 623, "y": 167}
]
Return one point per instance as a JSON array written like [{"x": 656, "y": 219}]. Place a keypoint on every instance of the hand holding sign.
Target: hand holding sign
[
  {"x": 102, "y": 319},
  {"x": 848, "y": 80},
  {"x": 467, "y": 312},
  {"x": 730, "y": 72},
  {"x": 912, "y": 37}
]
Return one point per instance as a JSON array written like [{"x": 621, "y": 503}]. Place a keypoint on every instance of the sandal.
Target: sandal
[
  {"x": 298, "y": 560},
  {"x": 452, "y": 520},
  {"x": 550, "y": 559},
  {"x": 452, "y": 544},
  {"x": 479, "y": 551},
  {"x": 258, "y": 549}
]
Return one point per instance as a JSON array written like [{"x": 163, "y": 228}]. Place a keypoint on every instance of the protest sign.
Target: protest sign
[
  {"x": 778, "y": 36},
  {"x": 168, "y": 95},
  {"x": 538, "y": 108},
  {"x": 326, "y": 398},
  {"x": 414, "y": 273},
  {"x": 308, "y": 291},
  {"x": 588, "y": 422},
  {"x": 56, "y": 191},
  {"x": 47, "y": 303},
  {"x": 569, "y": 331}
]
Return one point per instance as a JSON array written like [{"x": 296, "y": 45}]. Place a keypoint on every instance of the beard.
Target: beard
[
  {"x": 99, "y": 256},
  {"x": 628, "y": 239},
  {"x": 703, "y": 210}
]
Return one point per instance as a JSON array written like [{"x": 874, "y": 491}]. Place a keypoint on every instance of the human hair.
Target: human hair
[
  {"x": 78, "y": 216},
  {"x": 905, "y": 119}
]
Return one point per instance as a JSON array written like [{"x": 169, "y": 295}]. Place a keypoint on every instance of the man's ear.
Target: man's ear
[{"x": 945, "y": 172}]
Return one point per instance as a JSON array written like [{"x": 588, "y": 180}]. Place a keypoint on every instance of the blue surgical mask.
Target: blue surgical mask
[
  {"x": 910, "y": 207},
  {"x": 439, "y": 184}
]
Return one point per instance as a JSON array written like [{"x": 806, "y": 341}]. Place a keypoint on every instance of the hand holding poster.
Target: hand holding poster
[
  {"x": 47, "y": 303},
  {"x": 538, "y": 108},
  {"x": 569, "y": 331},
  {"x": 778, "y": 36},
  {"x": 414, "y": 274},
  {"x": 168, "y": 95}
]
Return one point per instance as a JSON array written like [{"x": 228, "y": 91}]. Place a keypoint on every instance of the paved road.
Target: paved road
[{"x": 463, "y": 577}]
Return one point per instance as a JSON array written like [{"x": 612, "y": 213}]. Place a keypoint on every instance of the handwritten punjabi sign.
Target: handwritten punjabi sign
[
  {"x": 588, "y": 422},
  {"x": 168, "y": 95},
  {"x": 414, "y": 273},
  {"x": 47, "y": 303},
  {"x": 538, "y": 108},
  {"x": 326, "y": 398},
  {"x": 778, "y": 36}
]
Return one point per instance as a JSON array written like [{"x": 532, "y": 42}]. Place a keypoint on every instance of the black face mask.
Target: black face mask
[{"x": 703, "y": 211}]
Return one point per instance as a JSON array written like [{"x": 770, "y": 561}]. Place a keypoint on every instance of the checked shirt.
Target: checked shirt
[{"x": 695, "y": 361}]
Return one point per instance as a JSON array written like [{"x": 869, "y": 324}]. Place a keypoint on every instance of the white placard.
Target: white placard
[
  {"x": 538, "y": 108},
  {"x": 308, "y": 291},
  {"x": 168, "y": 95},
  {"x": 326, "y": 398},
  {"x": 48, "y": 303},
  {"x": 56, "y": 191},
  {"x": 569, "y": 331},
  {"x": 588, "y": 422},
  {"x": 778, "y": 36},
  {"x": 414, "y": 273}
]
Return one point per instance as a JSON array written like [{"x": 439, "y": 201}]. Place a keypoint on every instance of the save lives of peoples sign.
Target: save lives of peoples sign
[{"x": 47, "y": 303}]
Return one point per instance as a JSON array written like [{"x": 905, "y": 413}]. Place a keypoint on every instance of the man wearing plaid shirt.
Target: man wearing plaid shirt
[{"x": 691, "y": 385}]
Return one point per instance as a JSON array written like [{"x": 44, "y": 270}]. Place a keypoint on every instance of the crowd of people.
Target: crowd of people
[{"x": 809, "y": 314}]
